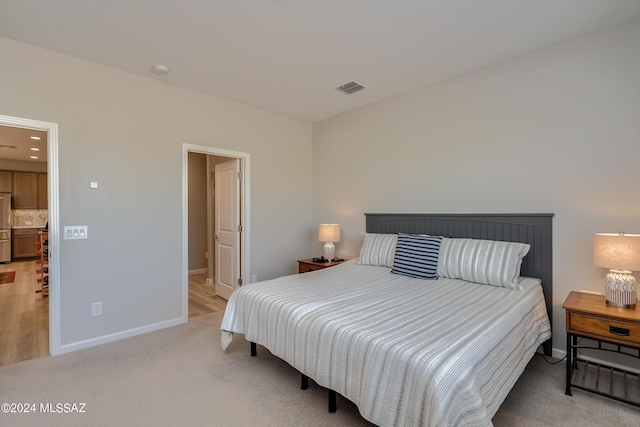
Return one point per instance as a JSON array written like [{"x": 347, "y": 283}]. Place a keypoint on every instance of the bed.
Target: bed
[{"x": 411, "y": 351}]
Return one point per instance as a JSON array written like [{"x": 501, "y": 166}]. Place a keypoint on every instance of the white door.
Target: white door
[{"x": 227, "y": 227}]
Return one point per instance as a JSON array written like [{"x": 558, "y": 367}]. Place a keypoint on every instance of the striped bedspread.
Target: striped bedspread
[{"x": 407, "y": 352}]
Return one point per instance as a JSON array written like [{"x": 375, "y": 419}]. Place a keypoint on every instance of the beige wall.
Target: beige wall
[
  {"x": 554, "y": 131},
  {"x": 126, "y": 132},
  {"x": 197, "y": 211}
]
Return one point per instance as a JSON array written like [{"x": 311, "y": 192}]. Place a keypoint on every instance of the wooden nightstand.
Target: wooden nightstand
[
  {"x": 307, "y": 265},
  {"x": 588, "y": 316}
]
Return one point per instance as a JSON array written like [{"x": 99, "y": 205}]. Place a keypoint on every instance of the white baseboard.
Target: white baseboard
[
  {"x": 198, "y": 271},
  {"x": 67, "y": 348},
  {"x": 558, "y": 353}
]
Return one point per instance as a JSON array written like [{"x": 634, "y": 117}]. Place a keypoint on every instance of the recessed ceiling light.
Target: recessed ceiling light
[
  {"x": 36, "y": 137},
  {"x": 34, "y": 157},
  {"x": 35, "y": 149}
]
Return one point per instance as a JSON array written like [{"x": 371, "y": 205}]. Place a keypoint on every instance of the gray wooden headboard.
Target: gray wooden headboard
[{"x": 534, "y": 229}]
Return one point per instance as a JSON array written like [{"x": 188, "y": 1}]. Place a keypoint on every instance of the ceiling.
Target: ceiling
[
  {"x": 288, "y": 56},
  {"x": 16, "y": 144}
]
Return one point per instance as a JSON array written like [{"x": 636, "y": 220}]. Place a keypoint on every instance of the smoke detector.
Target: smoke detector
[
  {"x": 160, "y": 69},
  {"x": 351, "y": 87}
]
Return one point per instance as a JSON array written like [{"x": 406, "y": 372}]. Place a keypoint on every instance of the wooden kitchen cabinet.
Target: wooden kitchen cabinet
[
  {"x": 25, "y": 190},
  {"x": 30, "y": 190},
  {"x": 43, "y": 191},
  {"x": 5, "y": 182},
  {"x": 24, "y": 242}
]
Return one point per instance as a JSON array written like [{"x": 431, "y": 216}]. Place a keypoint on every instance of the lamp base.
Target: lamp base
[
  {"x": 620, "y": 289},
  {"x": 329, "y": 251}
]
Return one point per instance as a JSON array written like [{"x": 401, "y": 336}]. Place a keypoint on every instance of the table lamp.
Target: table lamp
[
  {"x": 329, "y": 233},
  {"x": 620, "y": 253}
]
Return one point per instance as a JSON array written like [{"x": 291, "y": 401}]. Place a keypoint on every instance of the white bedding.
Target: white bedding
[{"x": 407, "y": 352}]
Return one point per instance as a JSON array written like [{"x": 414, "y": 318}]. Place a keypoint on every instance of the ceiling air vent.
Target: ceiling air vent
[{"x": 351, "y": 87}]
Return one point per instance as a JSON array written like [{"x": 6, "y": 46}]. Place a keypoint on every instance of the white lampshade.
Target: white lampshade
[
  {"x": 617, "y": 251},
  {"x": 621, "y": 254},
  {"x": 329, "y": 233}
]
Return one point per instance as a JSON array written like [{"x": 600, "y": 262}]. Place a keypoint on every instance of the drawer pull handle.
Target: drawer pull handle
[{"x": 623, "y": 332}]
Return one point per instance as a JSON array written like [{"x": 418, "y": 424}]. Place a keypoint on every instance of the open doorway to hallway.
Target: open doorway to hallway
[{"x": 216, "y": 209}]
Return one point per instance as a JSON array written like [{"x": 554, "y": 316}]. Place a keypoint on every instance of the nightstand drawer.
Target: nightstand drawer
[
  {"x": 605, "y": 328},
  {"x": 305, "y": 268}
]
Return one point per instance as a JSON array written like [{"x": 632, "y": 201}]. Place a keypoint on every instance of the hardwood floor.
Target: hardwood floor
[
  {"x": 202, "y": 297},
  {"x": 24, "y": 314}
]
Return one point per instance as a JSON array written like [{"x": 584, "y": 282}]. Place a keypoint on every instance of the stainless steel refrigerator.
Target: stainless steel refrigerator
[{"x": 6, "y": 219}]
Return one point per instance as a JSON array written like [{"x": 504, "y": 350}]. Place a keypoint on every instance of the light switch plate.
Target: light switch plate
[{"x": 75, "y": 232}]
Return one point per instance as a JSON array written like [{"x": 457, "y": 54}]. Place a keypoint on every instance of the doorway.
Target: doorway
[
  {"x": 203, "y": 254},
  {"x": 26, "y": 219}
]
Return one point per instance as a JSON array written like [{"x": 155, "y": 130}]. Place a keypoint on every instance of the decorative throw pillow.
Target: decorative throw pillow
[
  {"x": 378, "y": 249},
  {"x": 482, "y": 261},
  {"x": 417, "y": 256}
]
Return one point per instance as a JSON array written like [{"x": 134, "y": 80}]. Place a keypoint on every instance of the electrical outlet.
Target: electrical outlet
[
  {"x": 206, "y": 255},
  {"x": 96, "y": 309},
  {"x": 254, "y": 278}
]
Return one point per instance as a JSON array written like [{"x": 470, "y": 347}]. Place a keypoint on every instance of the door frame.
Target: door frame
[
  {"x": 245, "y": 270},
  {"x": 54, "y": 221}
]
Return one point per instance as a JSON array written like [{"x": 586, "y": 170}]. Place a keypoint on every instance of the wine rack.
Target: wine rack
[{"x": 42, "y": 271}]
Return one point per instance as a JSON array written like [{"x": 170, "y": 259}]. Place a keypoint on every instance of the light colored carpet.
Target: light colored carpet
[{"x": 180, "y": 376}]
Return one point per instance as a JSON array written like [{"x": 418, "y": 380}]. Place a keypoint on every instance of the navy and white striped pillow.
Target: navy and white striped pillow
[{"x": 417, "y": 256}]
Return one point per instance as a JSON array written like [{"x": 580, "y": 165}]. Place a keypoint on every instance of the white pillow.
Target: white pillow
[
  {"x": 378, "y": 249},
  {"x": 482, "y": 261}
]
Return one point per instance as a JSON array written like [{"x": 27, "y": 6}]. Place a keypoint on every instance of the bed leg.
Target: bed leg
[
  {"x": 333, "y": 406},
  {"x": 254, "y": 350},
  {"x": 547, "y": 348},
  {"x": 304, "y": 384}
]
